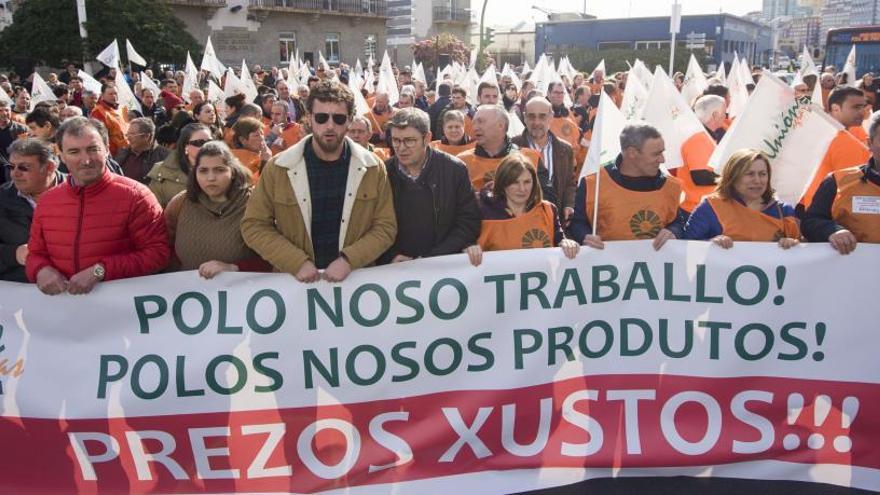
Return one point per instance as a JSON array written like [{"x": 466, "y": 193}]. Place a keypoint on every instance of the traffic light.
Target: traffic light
[{"x": 489, "y": 36}]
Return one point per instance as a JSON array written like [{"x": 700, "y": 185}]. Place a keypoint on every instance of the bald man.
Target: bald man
[
  {"x": 493, "y": 145},
  {"x": 557, "y": 155}
]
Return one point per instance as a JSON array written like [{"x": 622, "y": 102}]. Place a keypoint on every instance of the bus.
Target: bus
[{"x": 867, "y": 41}]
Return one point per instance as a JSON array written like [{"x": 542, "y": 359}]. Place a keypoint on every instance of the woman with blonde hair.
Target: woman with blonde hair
[
  {"x": 204, "y": 220},
  {"x": 515, "y": 215},
  {"x": 744, "y": 207}
]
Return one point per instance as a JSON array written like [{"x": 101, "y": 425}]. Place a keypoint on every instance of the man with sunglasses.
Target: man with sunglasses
[
  {"x": 437, "y": 211},
  {"x": 33, "y": 170},
  {"x": 96, "y": 225},
  {"x": 324, "y": 204}
]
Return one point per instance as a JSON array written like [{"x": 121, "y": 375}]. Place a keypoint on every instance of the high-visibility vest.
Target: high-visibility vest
[
  {"x": 856, "y": 205},
  {"x": 741, "y": 223},
  {"x": 695, "y": 153},
  {"x": 844, "y": 152},
  {"x": 482, "y": 170},
  {"x": 452, "y": 149},
  {"x": 534, "y": 229},
  {"x": 627, "y": 215}
]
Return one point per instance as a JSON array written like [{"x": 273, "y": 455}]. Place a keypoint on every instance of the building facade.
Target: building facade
[
  {"x": 410, "y": 21},
  {"x": 725, "y": 34},
  {"x": 269, "y": 32},
  {"x": 797, "y": 32}
]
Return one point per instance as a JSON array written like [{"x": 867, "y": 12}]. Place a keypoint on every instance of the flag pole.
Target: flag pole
[{"x": 596, "y": 202}]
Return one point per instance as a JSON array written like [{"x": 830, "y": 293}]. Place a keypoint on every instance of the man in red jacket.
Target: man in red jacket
[{"x": 97, "y": 225}]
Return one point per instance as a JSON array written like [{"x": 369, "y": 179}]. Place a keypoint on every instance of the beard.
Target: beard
[{"x": 326, "y": 147}]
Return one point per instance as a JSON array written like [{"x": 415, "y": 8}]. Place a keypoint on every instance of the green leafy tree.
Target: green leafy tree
[{"x": 45, "y": 32}]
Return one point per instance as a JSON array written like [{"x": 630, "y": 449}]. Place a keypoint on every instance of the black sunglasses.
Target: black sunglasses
[
  {"x": 21, "y": 168},
  {"x": 338, "y": 118},
  {"x": 198, "y": 143}
]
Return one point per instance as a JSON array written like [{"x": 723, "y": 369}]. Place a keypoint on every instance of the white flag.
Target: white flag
[
  {"x": 110, "y": 56},
  {"x": 526, "y": 68},
  {"x": 419, "y": 73},
  {"x": 147, "y": 83},
  {"x": 215, "y": 94},
  {"x": 247, "y": 83},
  {"x": 795, "y": 137},
  {"x": 387, "y": 82},
  {"x": 605, "y": 143},
  {"x": 361, "y": 107},
  {"x": 126, "y": 97},
  {"x": 210, "y": 62},
  {"x": 40, "y": 91},
  {"x": 90, "y": 83},
  {"x": 694, "y": 81},
  {"x": 739, "y": 94},
  {"x": 233, "y": 85},
  {"x": 509, "y": 72},
  {"x": 190, "y": 78},
  {"x": 849, "y": 68},
  {"x": 634, "y": 97},
  {"x": 359, "y": 69},
  {"x": 721, "y": 75},
  {"x": 471, "y": 83},
  {"x": 5, "y": 97},
  {"x": 667, "y": 110},
  {"x": 645, "y": 75},
  {"x": 808, "y": 67},
  {"x": 133, "y": 56},
  {"x": 599, "y": 68},
  {"x": 490, "y": 75}
]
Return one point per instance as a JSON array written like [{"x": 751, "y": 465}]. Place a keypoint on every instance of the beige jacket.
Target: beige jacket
[{"x": 278, "y": 219}]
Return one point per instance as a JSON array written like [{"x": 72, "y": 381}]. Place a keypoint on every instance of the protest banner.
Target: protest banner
[{"x": 527, "y": 372}]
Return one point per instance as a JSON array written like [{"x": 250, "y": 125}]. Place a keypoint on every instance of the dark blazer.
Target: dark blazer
[
  {"x": 456, "y": 215},
  {"x": 564, "y": 181},
  {"x": 155, "y": 155},
  {"x": 16, "y": 215}
]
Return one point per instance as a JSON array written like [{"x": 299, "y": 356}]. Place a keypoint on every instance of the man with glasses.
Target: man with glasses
[
  {"x": 324, "y": 204},
  {"x": 10, "y": 130},
  {"x": 557, "y": 155},
  {"x": 33, "y": 170},
  {"x": 96, "y": 225},
  {"x": 435, "y": 205},
  {"x": 142, "y": 152}
]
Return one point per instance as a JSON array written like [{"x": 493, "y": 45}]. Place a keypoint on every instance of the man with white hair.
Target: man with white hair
[
  {"x": 493, "y": 145},
  {"x": 697, "y": 178}
]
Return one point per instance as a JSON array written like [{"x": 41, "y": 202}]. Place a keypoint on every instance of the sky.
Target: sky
[{"x": 511, "y": 12}]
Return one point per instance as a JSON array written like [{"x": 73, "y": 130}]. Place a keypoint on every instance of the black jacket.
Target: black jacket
[
  {"x": 434, "y": 113},
  {"x": 455, "y": 220},
  {"x": 151, "y": 157},
  {"x": 16, "y": 215}
]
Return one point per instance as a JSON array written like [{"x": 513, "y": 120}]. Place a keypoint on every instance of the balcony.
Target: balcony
[
  {"x": 358, "y": 8},
  {"x": 197, "y": 3},
  {"x": 447, "y": 15}
]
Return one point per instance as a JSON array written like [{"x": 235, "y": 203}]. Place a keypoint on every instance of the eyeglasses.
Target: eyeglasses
[
  {"x": 405, "y": 142},
  {"x": 21, "y": 168},
  {"x": 338, "y": 118},
  {"x": 135, "y": 134},
  {"x": 198, "y": 143}
]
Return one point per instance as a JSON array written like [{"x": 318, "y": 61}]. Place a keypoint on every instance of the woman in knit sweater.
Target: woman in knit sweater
[{"x": 203, "y": 221}]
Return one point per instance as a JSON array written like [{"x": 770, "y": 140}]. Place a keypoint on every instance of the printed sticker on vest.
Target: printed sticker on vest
[
  {"x": 869, "y": 205},
  {"x": 536, "y": 238},
  {"x": 645, "y": 224}
]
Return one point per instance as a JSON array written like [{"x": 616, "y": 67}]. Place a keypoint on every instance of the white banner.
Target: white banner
[{"x": 434, "y": 375}]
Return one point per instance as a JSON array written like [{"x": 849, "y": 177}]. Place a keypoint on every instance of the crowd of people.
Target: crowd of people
[{"x": 297, "y": 181}]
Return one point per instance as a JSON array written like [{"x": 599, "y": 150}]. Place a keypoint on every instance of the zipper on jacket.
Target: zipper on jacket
[{"x": 79, "y": 224}]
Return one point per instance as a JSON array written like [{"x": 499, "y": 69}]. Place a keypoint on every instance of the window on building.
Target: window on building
[
  {"x": 331, "y": 47},
  {"x": 370, "y": 46},
  {"x": 286, "y": 46},
  {"x": 651, "y": 45}
]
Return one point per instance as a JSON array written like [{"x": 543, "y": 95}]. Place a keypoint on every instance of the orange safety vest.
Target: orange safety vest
[
  {"x": 857, "y": 205},
  {"x": 452, "y": 149},
  {"x": 482, "y": 170},
  {"x": 845, "y": 151},
  {"x": 382, "y": 153},
  {"x": 741, "y": 223},
  {"x": 250, "y": 160},
  {"x": 378, "y": 121},
  {"x": 627, "y": 215},
  {"x": 695, "y": 153},
  {"x": 116, "y": 123},
  {"x": 291, "y": 135},
  {"x": 469, "y": 126},
  {"x": 859, "y": 133},
  {"x": 534, "y": 229},
  {"x": 566, "y": 129}
]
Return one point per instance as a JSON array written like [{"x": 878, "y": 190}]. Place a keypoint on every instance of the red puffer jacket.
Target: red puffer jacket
[{"x": 115, "y": 221}]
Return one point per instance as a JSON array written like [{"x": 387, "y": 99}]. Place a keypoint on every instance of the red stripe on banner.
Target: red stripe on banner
[{"x": 623, "y": 421}]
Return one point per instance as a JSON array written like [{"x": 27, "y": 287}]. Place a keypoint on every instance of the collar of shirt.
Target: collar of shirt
[
  {"x": 546, "y": 152},
  {"x": 405, "y": 173}
]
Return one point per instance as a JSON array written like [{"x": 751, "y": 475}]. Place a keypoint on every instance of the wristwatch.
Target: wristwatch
[{"x": 99, "y": 271}]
